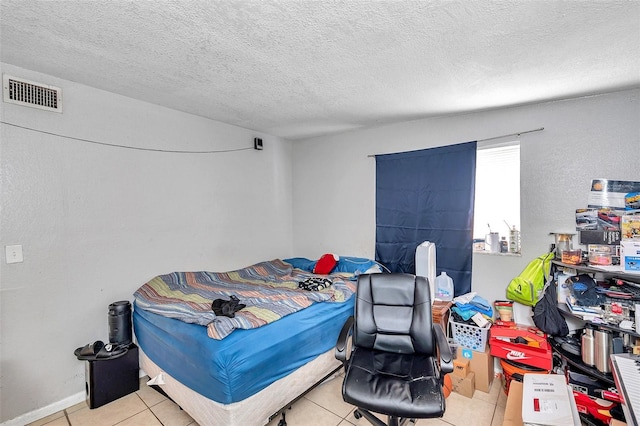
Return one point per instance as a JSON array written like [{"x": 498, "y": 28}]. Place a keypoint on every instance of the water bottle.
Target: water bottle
[
  {"x": 444, "y": 287},
  {"x": 587, "y": 347}
]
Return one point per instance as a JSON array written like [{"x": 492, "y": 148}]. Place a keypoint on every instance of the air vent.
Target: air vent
[{"x": 31, "y": 94}]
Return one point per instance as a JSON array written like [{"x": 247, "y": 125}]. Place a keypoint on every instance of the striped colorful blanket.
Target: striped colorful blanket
[{"x": 268, "y": 289}]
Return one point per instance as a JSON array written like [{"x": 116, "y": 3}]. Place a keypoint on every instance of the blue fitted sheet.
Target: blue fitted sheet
[{"x": 246, "y": 361}]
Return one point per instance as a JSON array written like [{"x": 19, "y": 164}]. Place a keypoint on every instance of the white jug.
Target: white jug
[{"x": 444, "y": 287}]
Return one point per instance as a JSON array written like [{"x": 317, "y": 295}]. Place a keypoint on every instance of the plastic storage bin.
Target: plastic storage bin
[{"x": 469, "y": 336}]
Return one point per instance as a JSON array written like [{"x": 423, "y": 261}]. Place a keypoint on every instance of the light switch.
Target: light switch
[{"x": 13, "y": 254}]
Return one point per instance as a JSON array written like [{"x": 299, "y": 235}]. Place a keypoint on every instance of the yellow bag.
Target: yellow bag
[{"x": 527, "y": 287}]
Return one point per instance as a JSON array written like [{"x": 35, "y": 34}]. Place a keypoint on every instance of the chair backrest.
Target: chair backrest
[{"x": 393, "y": 314}]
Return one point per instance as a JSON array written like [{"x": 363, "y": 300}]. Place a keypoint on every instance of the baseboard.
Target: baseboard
[
  {"x": 40, "y": 413},
  {"x": 46, "y": 411}
]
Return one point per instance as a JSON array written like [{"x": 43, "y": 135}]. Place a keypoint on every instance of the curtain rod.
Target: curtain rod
[{"x": 489, "y": 139}]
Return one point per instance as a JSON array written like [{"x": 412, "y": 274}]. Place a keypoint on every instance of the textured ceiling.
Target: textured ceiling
[{"x": 304, "y": 68}]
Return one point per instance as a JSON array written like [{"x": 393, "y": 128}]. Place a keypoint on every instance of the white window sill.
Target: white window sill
[{"x": 488, "y": 253}]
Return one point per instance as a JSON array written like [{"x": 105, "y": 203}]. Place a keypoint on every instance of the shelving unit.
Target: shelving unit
[
  {"x": 574, "y": 362},
  {"x": 564, "y": 310},
  {"x": 604, "y": 272}
]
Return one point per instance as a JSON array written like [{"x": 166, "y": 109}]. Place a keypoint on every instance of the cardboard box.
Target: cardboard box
[
  {"x": 609, "y": 219},
  {"x": 463, "y": 385},
  {"x": 604, "y": 219},
  {"x": 615, "y": 422},
  {"x": 600, "y": 237},
  {"x": 523, "y": 314},
  {"x": 535, "y": 353},
  {"x": 586, "y": 219},
  {"x": 563, "y": 289},
  {"x": 461, "y": 367},
  {"x": 513, "y": 410},
  {"x": 630, "y": 227},
  {"x": 630, "y": 255},
  {"x": 440, "y": 313},
  {"x": 528, "y": 355},
  {"x": 632, "y": 201},
  {"x": 548, "y": 400},
  {"x": 481, "y": 365}
]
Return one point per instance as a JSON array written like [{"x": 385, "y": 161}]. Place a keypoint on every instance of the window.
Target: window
[{"x": 497, "y": 197}]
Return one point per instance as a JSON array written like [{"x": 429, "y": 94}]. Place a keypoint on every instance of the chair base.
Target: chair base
[{"x": 392, "y": 420}]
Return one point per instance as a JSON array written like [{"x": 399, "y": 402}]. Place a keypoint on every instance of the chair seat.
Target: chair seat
[{"x": 401, "y": 385}]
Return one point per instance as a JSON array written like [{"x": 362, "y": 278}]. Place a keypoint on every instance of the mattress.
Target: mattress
[
  {"x": 258, "y": 409},
  {"x": 245, "y": 362}
]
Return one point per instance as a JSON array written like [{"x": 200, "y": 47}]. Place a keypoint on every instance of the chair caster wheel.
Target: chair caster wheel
[{"x": 357, "y": 414}]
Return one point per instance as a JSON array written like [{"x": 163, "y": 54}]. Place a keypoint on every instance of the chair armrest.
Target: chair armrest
[
  {"x": 446, "y": 359},
  {"x": 341, "y": 344}
]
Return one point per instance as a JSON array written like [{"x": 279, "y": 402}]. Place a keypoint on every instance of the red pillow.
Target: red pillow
[{"x": 326, "y": 263}]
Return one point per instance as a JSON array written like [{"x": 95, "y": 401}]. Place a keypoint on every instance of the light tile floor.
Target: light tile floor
[{"x": 321, "y": 407}]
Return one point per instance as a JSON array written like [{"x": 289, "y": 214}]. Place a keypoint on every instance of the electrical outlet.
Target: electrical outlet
[{"x": 13, "y": 254}]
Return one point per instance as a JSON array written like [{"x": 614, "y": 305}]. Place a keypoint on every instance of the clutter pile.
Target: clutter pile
[
  {"x": 107, "y": 381},
  {"x": 609, "y": 227},
  {"x": 470, "y": 319},
  {"x": 120, "y": 336}
]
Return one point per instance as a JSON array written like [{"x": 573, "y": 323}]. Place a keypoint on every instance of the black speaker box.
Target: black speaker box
[{"x": 109, "y": 379}]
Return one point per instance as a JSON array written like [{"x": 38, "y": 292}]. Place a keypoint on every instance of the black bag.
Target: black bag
[
  {"x": 547, "y": 316},
  {"x": 583, "y": 290}
]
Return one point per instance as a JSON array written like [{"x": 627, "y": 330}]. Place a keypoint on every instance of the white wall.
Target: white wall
[
  {"x": 585, "y": 138},
  {"x": 97, "y": 222}
]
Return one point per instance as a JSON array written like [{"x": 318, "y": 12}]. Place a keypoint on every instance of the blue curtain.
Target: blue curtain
[{"x": 427, "y": 195}]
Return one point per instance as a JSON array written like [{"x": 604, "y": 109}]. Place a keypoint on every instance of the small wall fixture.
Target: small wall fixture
[
  {"x": 31, "y": 94},
  {"x": 257, "y": 144}
]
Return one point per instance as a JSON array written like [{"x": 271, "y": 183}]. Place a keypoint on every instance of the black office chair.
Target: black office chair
[{"x": 398, "y": 357}]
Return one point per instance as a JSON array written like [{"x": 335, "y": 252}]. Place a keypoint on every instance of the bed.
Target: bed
[{"x": 246, "y": 373}]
